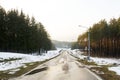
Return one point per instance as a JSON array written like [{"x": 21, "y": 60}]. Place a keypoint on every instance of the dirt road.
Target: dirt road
[{"x": 63, "y": 67}]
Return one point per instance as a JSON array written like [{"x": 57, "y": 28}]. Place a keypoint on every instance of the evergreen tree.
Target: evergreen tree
[{"x": 19, "y": 33}]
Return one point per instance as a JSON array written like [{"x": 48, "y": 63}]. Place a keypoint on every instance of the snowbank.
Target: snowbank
[
  {"x": 105, "y": 61},
  {"x": 101, "y": 61},
  {"x": 116, "y": 69},
  {"x": 22, "y": 58}
]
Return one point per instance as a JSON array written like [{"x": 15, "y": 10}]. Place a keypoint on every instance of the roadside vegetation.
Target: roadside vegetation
[
  {"x": 105, "y": 73},
  {"x": 101, "y": 70},
  {"x": 10, "y": 59},
  {"x": 5, "y": 75},
  {"x": 13, "y": 73},
  {"x": 86, "y": 62}
]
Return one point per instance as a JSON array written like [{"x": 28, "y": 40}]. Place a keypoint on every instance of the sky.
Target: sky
[{"x": 62, "y": 17}]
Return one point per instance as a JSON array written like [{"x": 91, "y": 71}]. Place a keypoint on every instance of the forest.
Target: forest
[
  {"x": 20, "y": 33},
  {"x": 104, "y": 38}
]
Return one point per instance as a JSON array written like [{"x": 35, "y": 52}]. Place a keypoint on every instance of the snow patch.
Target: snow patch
[
  {"x": 100, "y": 61},
  {"x": 116, "y": 69},
  {"x": 25, "y": 58}
]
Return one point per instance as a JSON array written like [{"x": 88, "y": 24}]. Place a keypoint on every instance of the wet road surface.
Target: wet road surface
[{"x": 63, "y": 67}]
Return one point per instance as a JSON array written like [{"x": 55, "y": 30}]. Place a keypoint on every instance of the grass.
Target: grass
[
  {"x": 4, "y": 75},
  {"x": 108, "y": 75},
  {"x": 102, "y": 71},
  {"x": 10, "y": 59},
  {"x": 86, "y": 62}
]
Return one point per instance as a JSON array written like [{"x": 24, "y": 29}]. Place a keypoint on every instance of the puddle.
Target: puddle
[
  {"x": 37, "y": 71},
  {"x": 65, "y": 68}
]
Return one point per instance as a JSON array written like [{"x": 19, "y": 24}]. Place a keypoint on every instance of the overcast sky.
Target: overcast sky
[{"x": 62, "y": 17}]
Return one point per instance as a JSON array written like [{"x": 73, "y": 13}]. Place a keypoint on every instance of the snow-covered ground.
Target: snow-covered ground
[
  {"x": 101, "y": 61},
  {"x": 25, "y": 58},
  {"x": 22, "y": 58}
]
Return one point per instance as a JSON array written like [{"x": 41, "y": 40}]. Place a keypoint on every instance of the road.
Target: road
[{"x": 63, "y": 67}]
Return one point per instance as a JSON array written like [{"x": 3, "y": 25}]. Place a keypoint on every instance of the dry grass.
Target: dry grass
[
  {"x": 86, "y": 62},
  {"x": 4, "y": 75},
  {"x": 102, "y": 71},
  {"x": 10, "y": 59},
  {"x": 108, "y": 75}
]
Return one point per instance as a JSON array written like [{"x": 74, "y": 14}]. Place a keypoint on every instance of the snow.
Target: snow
[
  {"x": 22, "y": 58},
  {"x": 25, "y": 58},
  {"x": 105, "y": 61},
  {"x": 116, "y": 69},
  {"x": 101, "y": 61},
  {"x": 13, "y": 71}
]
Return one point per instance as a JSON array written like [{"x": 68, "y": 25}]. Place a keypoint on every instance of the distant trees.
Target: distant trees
[
  {"x": 105, "y": 38},
  {"x": 74, "y": 45},
  {"x": 19, "y": 33}
]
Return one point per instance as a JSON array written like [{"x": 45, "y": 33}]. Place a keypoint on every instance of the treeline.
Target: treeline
[
  {"x": 20, "y": 33},
  {"x": 74, "y": 45},
  {"x": 104, "y": 38}
]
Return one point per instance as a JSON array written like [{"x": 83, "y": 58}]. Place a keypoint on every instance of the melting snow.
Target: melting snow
[
  {"x": 101, "y": 61},
  {"x": 25, "y": 58}
]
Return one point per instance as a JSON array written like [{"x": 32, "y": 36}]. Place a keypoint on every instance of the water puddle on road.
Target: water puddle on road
[
  {"x": 37, "y": 70},
  {"x": 65, "y": 68}
]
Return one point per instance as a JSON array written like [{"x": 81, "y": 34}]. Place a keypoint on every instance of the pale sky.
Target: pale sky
[{"x": 62, "y": 17}]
